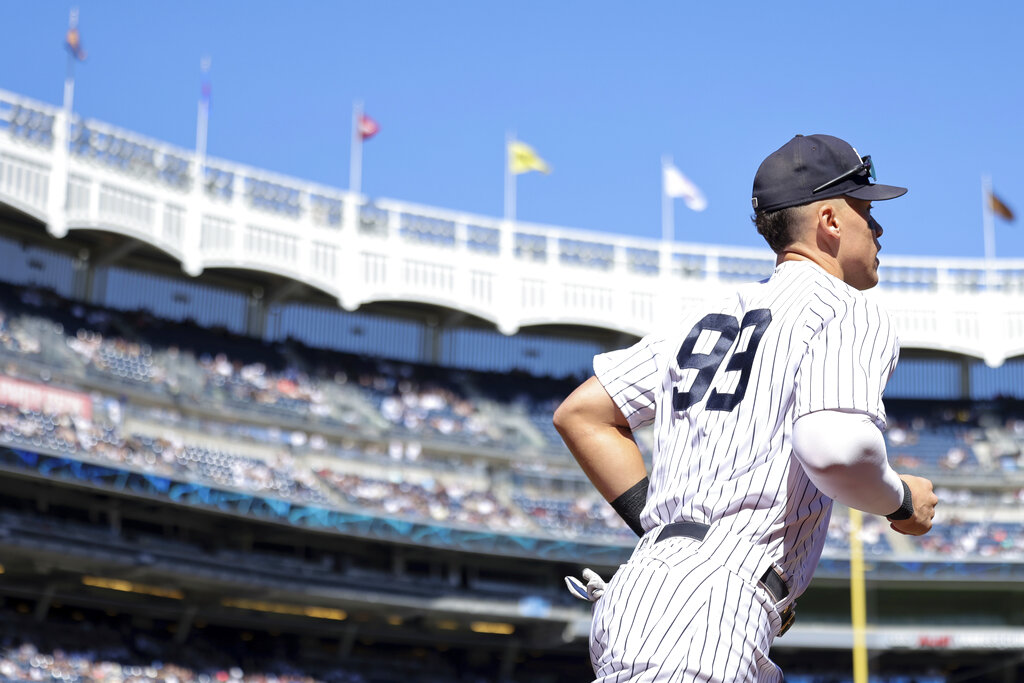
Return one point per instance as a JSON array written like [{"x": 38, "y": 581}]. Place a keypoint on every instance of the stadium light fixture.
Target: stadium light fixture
[
  {"x": 496, "y": 627},
  {"x": 331, "y": 613},
  {"x": 132, "y": 587}
]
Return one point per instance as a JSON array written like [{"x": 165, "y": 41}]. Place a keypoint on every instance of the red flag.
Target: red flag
[
  {"x": 999, "y": 208},
  {"x": 73, "y": 42},
  {"x": 367, "y": 127}
]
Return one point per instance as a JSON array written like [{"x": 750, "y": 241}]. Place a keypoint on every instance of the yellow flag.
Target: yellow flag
[{"x": 522, "y": 159}]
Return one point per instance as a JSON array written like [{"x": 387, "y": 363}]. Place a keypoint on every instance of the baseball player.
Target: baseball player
[{"x": 767, "y": 406}]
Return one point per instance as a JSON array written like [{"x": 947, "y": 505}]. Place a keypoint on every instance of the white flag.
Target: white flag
[{"x": 675, "y": 184}]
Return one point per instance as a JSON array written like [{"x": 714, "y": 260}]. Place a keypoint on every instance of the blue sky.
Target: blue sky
[{"x": 600, "y": 89}]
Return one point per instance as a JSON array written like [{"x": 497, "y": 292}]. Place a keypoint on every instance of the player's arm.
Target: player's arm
[
  {"x": 843, "y": 454},
  {"x": 598, "y": 436}
]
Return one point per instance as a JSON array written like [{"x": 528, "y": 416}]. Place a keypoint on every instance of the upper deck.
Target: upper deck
[{"x": 92, "y": 176}]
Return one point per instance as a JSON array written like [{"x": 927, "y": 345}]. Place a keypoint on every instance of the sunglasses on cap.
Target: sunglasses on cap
[{"x": 864, "y": 167}]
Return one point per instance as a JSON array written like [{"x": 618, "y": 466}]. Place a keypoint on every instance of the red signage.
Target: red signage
[
  {"x": 934, "y": 642},
  {"x": 32, "y": 396}
]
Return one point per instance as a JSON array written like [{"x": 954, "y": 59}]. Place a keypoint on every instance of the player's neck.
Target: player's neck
[{"x": 799, "y": 252}]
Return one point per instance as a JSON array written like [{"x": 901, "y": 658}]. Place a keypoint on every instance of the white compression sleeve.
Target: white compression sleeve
[{"x": 843, "y": 453}]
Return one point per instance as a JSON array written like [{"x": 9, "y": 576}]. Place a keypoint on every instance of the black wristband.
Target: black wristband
[
  {"x": 631, "y": 503},
  {"x": 906, "y": 510}
]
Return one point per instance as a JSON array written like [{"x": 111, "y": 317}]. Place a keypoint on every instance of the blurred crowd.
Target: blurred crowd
[
  {"x": 26, "y": 663},
  {"x": 66, "y": 435},
  {"x": 184, "y": 362},
  {"x": 300, "y": 424},
  {"x": 504, "y": 412},
  {"x": 117, "y": 653},
  {"x": 109, "y": 661},
  {"x": 958, "y": 539},
  {"x": 847, "y": 677},
  {"x": 585, "y": 515},
  {"x": 872, "y": 533},
  {"x": 429, "y": 498}
]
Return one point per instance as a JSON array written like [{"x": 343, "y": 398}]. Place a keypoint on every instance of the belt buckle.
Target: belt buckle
[{"x": 788, "y": 616}]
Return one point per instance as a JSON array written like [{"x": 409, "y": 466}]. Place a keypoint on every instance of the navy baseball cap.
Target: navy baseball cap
[{"x": 813, "y": 167}]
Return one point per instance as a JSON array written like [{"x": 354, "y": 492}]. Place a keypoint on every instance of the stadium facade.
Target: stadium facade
[{"x": 108, "y": 223}]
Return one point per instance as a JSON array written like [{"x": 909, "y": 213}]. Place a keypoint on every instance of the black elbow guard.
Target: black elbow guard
[{"x": 631, "y": 503}]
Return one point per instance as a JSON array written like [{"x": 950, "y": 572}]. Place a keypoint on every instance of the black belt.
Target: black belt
[{"x": 771, "y": 578}]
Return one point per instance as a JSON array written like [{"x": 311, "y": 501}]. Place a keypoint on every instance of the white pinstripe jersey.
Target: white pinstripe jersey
[{"x": 724, "y": 393}]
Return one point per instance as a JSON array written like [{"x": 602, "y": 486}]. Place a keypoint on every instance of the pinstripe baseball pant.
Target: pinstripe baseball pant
[{"x": 671, "y": 614}]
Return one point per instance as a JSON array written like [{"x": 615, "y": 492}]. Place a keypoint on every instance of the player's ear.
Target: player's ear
[
  {"x": 827, "y": 227},
  {"x": 827, "y": 214}
]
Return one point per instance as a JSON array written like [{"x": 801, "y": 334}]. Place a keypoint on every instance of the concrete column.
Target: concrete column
[
  {"x": 507, "y": 299},
  {"x": 965, "y": 377},
  {"x": 43, "y": 605},
  {"x": 256, "y": 314},
  {"x": 433, "y": 330},
  {"x": 82, "y": 279},
  {"x": 114, "y": 517},
  {"x": 348, "y": 637},
  {"x": 195, "y": 206},
  {"x": 508, "y": 659},
  {"x": 56, "y": 208},
  {"x": 347, "y": 280},
  {"x": 185, "y": 624}
]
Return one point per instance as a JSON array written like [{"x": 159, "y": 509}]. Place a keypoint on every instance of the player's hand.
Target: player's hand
[
  {"x": 593, "y": 589},
  {"x": 924, "y": 507}
]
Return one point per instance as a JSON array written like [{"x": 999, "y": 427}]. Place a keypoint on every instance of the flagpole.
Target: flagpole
[
  {"x": 202, "y": 121},
  {"x": 69, "y": 91},
  {"x": 510, "y": 179},
  {"x": 69, "y": 77},
  {"x": 57, "y": 205},
  {"x": 191, "y": 263},
  {"x": 988, "y": 226},
  {"x": 355, "y": 168},
  {"x": 667, "y": 213},
  {"x": 69, "y": 87}
]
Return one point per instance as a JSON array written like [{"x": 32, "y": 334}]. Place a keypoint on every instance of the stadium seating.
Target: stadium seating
[
  {"x": 958, "y": 539},
  {"x": 425, "y": 498},
  {"x": 407, "y": 415},
  {"x": 586, "y": 516},
  {"x": 101, "y": 654},
  {"x": 846, "y": 677},
  {"x": 421, "y": 492},
  {"x": 411, "y": 400},
  {"x": 920, "y": 443},
  {"x": 873, "y": 537}
]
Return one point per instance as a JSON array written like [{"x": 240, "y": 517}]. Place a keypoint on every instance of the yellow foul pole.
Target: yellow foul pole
[{"x": 858, "y": 609}]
